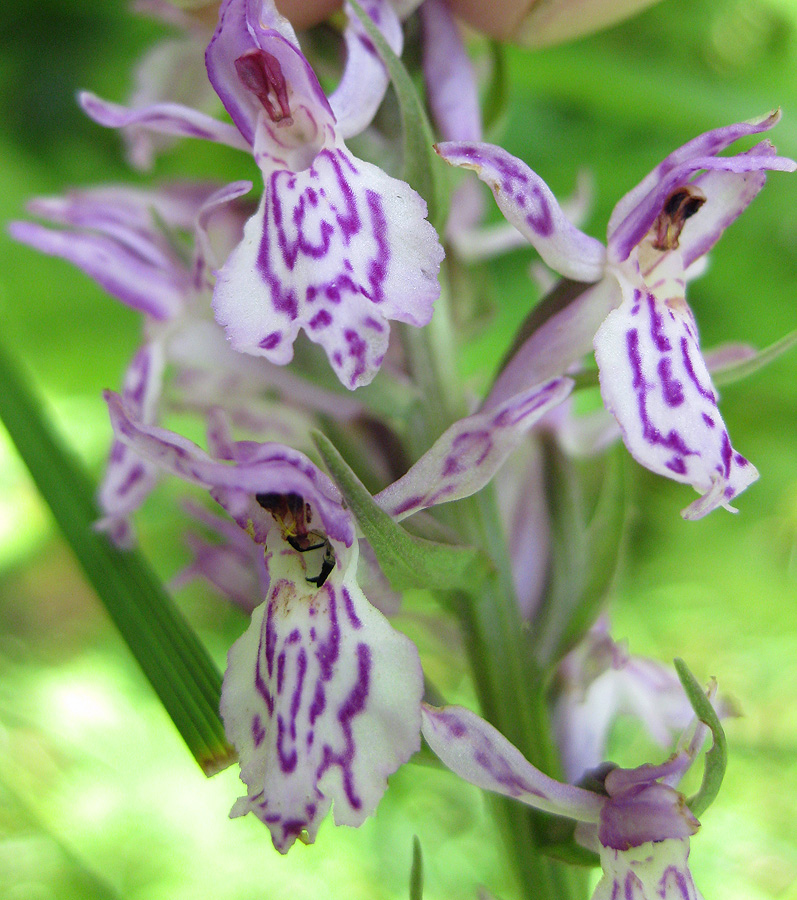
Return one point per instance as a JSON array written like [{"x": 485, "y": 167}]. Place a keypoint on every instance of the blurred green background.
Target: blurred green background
[{"x": 98, "y": 797}]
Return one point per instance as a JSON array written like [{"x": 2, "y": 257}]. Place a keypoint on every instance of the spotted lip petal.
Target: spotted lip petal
[
  {"x": 471, "y": 451},
  {"x": 321, "y": 699},
  {"x": 652, "y": 871},
  {"x": 365, "y": 79},
  {"x": 527, "y": 202},
  {"x": 336, "y": 250},
  {"x": 258, "y": 468},
  {"x": 655, "y": 382}
]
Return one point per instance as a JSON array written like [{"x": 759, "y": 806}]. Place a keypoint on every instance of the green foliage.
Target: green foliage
[
  {"x": 407, "y": 561},
  {"x": 717, "y": 757},
  {"x": 166, "y": 647}
]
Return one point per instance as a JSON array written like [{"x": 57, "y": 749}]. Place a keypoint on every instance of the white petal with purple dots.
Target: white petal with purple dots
[{"x": 335, "y": 250}]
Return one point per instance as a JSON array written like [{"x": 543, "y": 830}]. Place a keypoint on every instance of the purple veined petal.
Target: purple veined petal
[
  {"x": 240, "y": 23},
  {"x": 728, "y": 195},
  {"x": 480, "y": 754},
  {"x": 657, "y": 870},
  {"x": 559, "y": 341},
  {"x": 172, "y": 71},
  {"x": 633, "y": 228},
  {"x": 321, "y": 699},
  {"x": 707, "y": 144},
  {"x": 260, "y": 468},
  {"x": 205, "y": 257},
  {"x": 448, "y": 75},
  {"x": 129, "y": 478},
  {"x": 527, "y": 202},
  {"x": 336, "y": 250},
  {"x": 156, "y": 292},
  {"x": 164, "y": 118},
  {"x": 365, "y": 79},
  {"x": 655, "y": 382},
  {"x": 466, "y": 456}
]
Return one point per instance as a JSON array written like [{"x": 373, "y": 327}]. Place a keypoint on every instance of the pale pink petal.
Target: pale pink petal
[
  {"x": 527, "y": 202},
  {"x": 365, "y": 79},
  {"x": 164, "y": 118},
  {"x": 466, "y": 456},
  {"x": 480, "y": 754}
]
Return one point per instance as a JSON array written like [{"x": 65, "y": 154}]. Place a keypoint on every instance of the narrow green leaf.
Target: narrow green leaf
[
  {"x": 717, "y": 757},
  {"x": 422, "y": 169},
  {"x": 164, "y": 644},
  {"x": 416, "y": 872},
  {"x": 737, "y": 371},
  {"x": 406, "y": 560}
]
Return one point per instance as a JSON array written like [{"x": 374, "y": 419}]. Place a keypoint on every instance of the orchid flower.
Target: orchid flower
[
  {"x": 631, "y": 302},
  {"x": 337, "y": 247},
  {"x": 640, "y": 823},
  {"x": 321, "y": 696},
  {"x": 598, "y": 681},
  {"x": 129, "y": 241}
]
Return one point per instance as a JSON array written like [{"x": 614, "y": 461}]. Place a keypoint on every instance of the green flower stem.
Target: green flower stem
[
  {"x": 510, "y": 689},
  {"x": 164, "y": 644}
]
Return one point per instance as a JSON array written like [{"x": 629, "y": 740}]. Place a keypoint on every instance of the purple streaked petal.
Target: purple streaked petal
[
  {"x": 466, "y": 456},
  {"x": 708, "y": 144},
  {"x": 527, "y": 202},
  {"x": 480, "y": 754},
  {"x": 336, "y": 250},
  {"x": 164, "y": 118},
  {"x": 728, "y": 195},
  {"x": 657, "y": 870},
  {"x": 129, "y": 479},
  {"x": 259, "y": 468},
  {"x": 172, "y": 71},
  {"x": 655, "y": 382},
  {"x": 633, "y": 228},
  {"x": 321, "y": 699},
  {"x": 448, "y": 74},
  {"x": 560, "y": 341},
  {"x": 155, "y": 291},
  {"x": 365, "y": 79},
  {"x": 241, "y": 25}
]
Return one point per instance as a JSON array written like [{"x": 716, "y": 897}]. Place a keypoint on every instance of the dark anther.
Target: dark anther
[
  {"x": 681, "y": 205},
  {"x": 261, "y": 73},
  {"x": 327, "y": 566}
]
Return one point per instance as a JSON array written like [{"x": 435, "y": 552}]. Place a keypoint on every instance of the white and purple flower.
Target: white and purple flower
[
  {"x": 337, "y": 248},
  {"x": 632, "y": 305},
  {"x": 640, "y": 823},
  {"x": 321, "y": 697}
]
